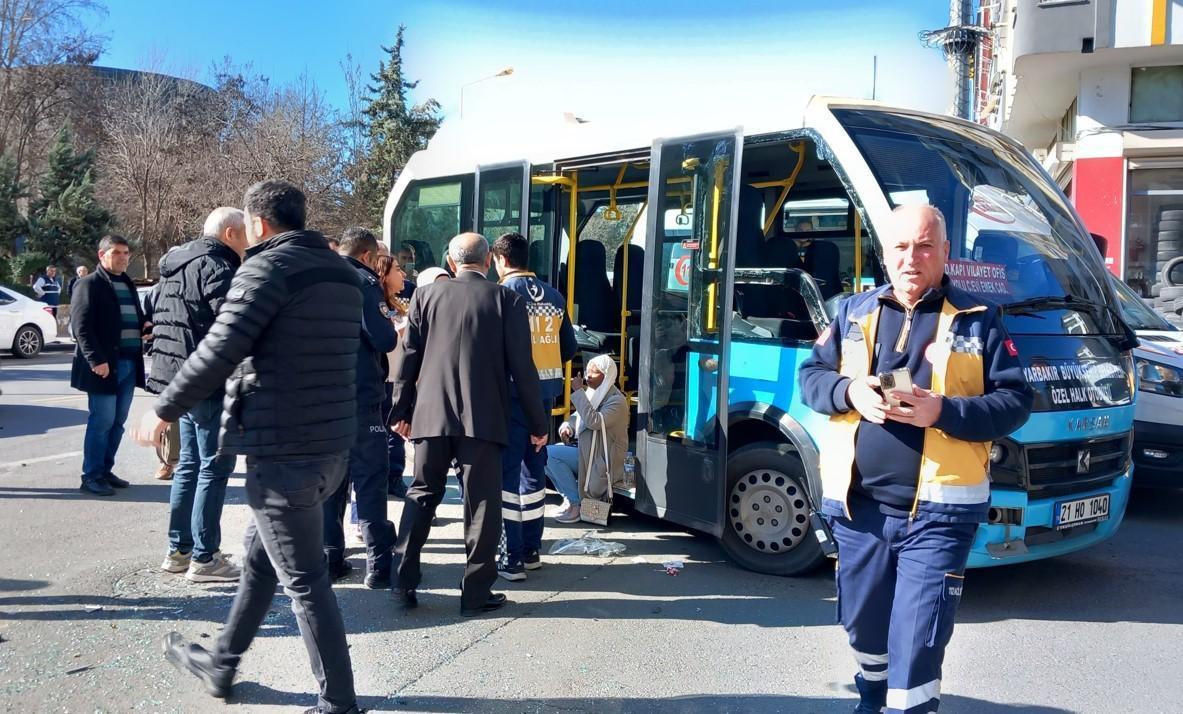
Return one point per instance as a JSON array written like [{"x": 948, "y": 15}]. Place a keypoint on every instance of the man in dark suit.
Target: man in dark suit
[
  {"x": 465, "y": 338},
  {"x": 109, "y": 329}
]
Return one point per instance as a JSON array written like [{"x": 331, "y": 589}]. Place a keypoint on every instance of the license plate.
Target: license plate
[{"x": 1085, "y": 510}]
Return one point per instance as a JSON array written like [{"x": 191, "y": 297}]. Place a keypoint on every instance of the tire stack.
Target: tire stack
[{"x": 1168, "y": 265}]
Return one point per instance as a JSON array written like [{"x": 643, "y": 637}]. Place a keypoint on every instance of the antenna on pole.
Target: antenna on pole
[
  {"x": 959, "y": 41},
  {"x": 874, "y": 75}
]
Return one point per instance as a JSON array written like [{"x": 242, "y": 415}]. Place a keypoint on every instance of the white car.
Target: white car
[
  {"x": 25, "y": 324},
  {"x": 1158, "y": 416}
]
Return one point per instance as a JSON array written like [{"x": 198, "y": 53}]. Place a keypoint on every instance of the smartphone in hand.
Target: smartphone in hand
[{"x": 895, "y": 383}]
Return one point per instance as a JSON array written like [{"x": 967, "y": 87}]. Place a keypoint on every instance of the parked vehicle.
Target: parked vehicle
[
  {"x": 25, "y": 324},
  {"x": 1158, "y": 417}
]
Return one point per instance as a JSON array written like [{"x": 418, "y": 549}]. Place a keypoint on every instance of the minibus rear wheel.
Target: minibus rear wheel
[{"x": 766, "y": 528}]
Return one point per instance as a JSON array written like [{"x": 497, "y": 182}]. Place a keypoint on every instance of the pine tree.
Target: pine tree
[
  {"x": 396, "y": 129},
  {"x": 12, "y": 224},
  {"x": 65, "y": 220}
]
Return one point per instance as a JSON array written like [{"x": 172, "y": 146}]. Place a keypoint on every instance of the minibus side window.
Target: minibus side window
[{"x": 429, "y": 216}]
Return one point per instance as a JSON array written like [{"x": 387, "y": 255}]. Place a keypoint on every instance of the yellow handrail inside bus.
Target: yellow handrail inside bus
[
  {"x": 625, "y": 313},
  {"x": 572, "y": 238},
  {"x": 786, "y": 186},
  {"x": 551, "y": 180},
  {"x": 612, "y": 213},
  {"x": 713, "y": 262}
]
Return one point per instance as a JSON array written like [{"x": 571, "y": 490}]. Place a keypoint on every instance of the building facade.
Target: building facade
[{"x": 1095, "y": 89}]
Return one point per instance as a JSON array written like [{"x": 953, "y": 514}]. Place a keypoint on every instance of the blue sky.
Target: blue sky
[{"x": 602, "y": 60}]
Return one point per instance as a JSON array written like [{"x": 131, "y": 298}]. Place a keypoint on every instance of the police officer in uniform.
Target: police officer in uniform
[
  {"x": 369, "y": 463},
  {"x": 904, "y": 484}
]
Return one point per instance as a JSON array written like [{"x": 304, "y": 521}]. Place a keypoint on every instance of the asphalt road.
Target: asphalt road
[{"x": 82, "y": 610}]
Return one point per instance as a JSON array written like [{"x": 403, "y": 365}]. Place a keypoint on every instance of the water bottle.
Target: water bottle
[{"x": 630, "y": 470}]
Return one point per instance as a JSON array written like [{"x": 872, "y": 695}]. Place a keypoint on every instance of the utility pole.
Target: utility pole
[{"x": 959, "y": 41}]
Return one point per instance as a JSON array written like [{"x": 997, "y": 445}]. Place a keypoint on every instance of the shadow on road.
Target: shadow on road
[
  {"x": 11, "y": 585},
  {"x": 136, "y": 493},
  {"x": 29, "y": 419},
  {"x": 13, "y": 373},
  {"x": 713, "y": 703},
  {"x": 1135, "y": 576}
]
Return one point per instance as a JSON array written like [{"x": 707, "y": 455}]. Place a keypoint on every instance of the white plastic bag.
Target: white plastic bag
[{"x": 587, "y": 544}]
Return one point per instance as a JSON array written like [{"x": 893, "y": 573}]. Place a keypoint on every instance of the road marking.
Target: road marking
[
  {"x": 60, "y": 398},
  {"x": 40, "y": 459}
]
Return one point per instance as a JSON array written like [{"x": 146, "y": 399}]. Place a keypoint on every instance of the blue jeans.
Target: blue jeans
[
  {"x": 562, "y": 466},
  {"x": 199, "y": 484},
  {"x": 104, "y": 425}
]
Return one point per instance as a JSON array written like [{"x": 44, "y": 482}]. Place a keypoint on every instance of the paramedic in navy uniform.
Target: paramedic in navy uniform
[
  {"x": 904, "y": 487},
  {"x": 523, "y": 468}
]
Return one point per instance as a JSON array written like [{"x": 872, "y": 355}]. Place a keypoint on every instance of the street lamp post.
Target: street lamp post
[{"x": 503, "y": 73}]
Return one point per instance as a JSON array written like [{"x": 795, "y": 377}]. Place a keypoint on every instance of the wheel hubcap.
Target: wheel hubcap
[
  {"x": 28, "y": 343},
  {"x": 769, "y": 511}
]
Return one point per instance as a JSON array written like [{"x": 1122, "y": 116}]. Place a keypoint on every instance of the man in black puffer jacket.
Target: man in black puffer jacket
[
  {"x": 194, "y": 280},
  {"x": 289, "y": 332}
]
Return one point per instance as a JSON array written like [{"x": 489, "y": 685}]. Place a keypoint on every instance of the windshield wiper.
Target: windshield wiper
[
  {"x": 1052, "y": 302},
  {"x": 1097, "y": 310}
]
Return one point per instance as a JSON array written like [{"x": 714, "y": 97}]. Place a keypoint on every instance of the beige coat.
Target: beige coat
[{"x": 611, "y": 418}]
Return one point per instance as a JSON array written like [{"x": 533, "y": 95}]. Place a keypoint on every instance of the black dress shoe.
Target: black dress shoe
[
  {"x": 98, "y": 487},
  {"x": 495, "y": 601},
  {"x": 408, "y": 597},
  {"x": 199, "y": 662},
  {"x": 114, "y": 481},
  {"x": 377, "y": 580},
  {"x": 340, "y": 570}
]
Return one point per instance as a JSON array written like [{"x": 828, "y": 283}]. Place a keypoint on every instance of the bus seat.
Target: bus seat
[
  {"x": 593, "y": 293},
  {"x": 822, "y": 260},
  {"x": 636, "y": 278},
  {"x": 996, "y": 247},
  {"x": 750, "y": 252},
  {"x": 749, "y": 230}
]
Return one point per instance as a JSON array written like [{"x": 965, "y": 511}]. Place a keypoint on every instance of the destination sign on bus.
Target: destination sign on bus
[{"x": 979, "y": 278}]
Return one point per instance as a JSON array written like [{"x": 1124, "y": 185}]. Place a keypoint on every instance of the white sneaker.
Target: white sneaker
[
  {"x": 566, "y": 513},
  {"x": 218, "y": 570},
  {"x": 175, "y": 562}
]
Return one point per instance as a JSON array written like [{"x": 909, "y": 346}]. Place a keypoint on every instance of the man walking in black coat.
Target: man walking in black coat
[
  {"x": 287, "y": 337},
  {"x": 369, "y": 463},
  {"x": 108, "y": 327},
  {"x": 465, "y": 338},
  {"x": 194, "y": 280}
]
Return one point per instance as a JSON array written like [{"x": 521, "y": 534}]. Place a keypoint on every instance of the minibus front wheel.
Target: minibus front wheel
[{"x": 767, "y": 511}]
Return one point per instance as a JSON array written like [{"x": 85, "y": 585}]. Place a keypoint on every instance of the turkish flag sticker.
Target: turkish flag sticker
[{"x": 1011, "y": 349}]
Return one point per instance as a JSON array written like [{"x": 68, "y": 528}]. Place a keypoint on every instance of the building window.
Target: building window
[
  {"x": 1154, "y": 225},
  {"x": 1156, "y": 94}
]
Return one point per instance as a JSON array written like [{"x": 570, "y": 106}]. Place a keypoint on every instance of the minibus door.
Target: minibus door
[
  {"x": 502, "y": 202},
  {"x": 686, "y": 328}
]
